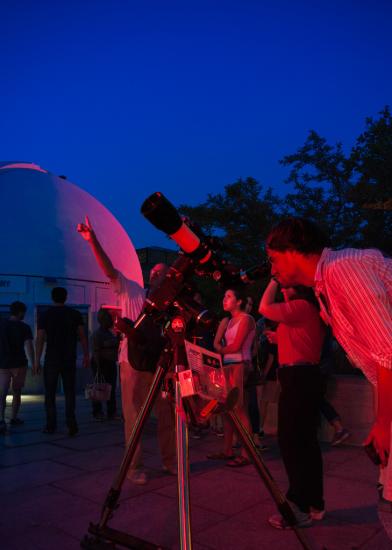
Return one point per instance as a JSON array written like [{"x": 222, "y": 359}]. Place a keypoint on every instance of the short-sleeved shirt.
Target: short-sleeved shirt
[
  {"x": 61, "y": 325},
  {"x": 131, "y": 297},
  {"x": 16, "y": 334},
  {"x": 3, "y": 346},
  {"x": 300, "y": 334}
]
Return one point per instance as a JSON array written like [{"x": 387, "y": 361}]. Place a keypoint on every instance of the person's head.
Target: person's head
[
  {"x": 157, "y": 273},
  {"x": 104, "y": 318},
  {"x": 59, "y": 295},
  {"x": 294, "y": 247},
  {"x": 249, "y": 303},
  {"x": 18, "y": 309},
  {"x": 233, "y": 300}
]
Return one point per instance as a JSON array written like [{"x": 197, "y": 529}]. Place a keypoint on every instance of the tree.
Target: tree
[
  {"x": 241, "y": 217},
  {"x": 371, "y": 159},
  {"x": 334, "y": 189}
]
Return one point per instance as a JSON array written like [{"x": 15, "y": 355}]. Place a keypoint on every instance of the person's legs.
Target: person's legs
[
  {"x": 51, "y": 374},
  {"x": 253, "y": 408},
  {"x": 110, "y": 375},
  {"x": 18, "y": 381},
  {"x": 297, "y": 435},
  {"x": 166, "y": 432},
  {"x": 5, "y": 378},
  {"x": 96, "y": 405},
  {"x": 134, "y": 388},
  {"x": 68, "y": 375}
]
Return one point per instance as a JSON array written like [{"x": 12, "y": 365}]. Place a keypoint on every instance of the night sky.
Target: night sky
[{"x": 127, "y": 98}]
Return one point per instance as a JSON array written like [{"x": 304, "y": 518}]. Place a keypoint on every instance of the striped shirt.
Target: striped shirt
[{"x": 354, "y": 288}]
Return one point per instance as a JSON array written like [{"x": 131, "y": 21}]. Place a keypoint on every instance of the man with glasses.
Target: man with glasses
[{"x": 354, "y": 289}]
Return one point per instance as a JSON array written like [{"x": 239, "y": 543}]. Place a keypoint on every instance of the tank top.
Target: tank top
[{"x": 245, "y": 353}]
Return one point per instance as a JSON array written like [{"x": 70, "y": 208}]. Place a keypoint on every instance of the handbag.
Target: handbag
[
  {"x": 99, "y": 390},
  {"x": 255, "y": 376}
]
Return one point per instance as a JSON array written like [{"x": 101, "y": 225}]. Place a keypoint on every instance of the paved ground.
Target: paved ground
[{"x": 52, "y": 486}]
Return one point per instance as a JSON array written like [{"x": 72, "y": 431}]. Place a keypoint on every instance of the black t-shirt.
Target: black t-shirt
[
  {"x": 61, "y": 326},
  {"x": 4, "y": 348},
  {"x": 17, "y": 332}
]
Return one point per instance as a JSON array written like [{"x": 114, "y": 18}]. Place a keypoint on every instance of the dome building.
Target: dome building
[{"x": 41, "y": 249}]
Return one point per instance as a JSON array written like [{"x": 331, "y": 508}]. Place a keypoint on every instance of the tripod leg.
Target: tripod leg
[
  {"x": 269, "y": 482},
  {"x": 111, "y": 500},
  {"x": 183, "y": 473}
]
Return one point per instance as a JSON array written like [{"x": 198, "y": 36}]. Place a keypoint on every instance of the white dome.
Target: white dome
[{"x": 40, "y": 212}]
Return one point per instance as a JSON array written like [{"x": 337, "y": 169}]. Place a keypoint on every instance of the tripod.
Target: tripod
[{"x": 106, "y": 537}]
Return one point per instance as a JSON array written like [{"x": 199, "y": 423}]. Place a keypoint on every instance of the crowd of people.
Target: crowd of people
[{"x": 282, "y": 356}]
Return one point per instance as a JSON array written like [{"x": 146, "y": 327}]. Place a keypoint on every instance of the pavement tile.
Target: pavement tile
[
  {"x": 29, "y": 453},
  {"x": 33, "y": 474},
  {"x": 219, "y": 492}
]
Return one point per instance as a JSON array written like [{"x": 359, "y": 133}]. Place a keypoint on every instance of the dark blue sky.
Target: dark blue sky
[{"x": 126, "y": 98}]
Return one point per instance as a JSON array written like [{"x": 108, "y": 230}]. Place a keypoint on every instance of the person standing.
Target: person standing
[
  {"x": 60, "y": 327},
  {"x": 13, "y": 369},
  {"x": 135, "y": 384},
  {"x": 234, "y": 340},
  {"x": 354, "y": 289},
  {"x": 299, "y": 337},
  {"x": 104, "y": 362}
]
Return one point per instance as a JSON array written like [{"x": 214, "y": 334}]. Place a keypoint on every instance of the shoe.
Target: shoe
[
  {"x": 316, "y": 515},
  {"x": 219, "y": 433},
  {"x": 304, "y": 519},
  {"x": 169, "y": 470},
  {"x": 3, "y": 428},
  {"x": 16, "y": 421},
  {"x": 99, "y": 417},
  {"x": 339, "y": 437},
  {"x": 196, "y": 433},
  {"x": 114, "y": 417},
  {"x": 262, "y": 447},
  {"x": 138, "y": 477},
  {"x": 72, "y": 431},
  {"x": 49, "y": 431},
  {"x": 220, "y": 456},
  {"x": 238, "y": 462}
]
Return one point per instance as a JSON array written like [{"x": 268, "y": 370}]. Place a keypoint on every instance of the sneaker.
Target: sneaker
[
  {"x": 138, "y": 477},
  {"x": 99, "y": 417},
  {"x": 114, "y": 417},
  {"x": 169, "y": 471},
  {"x": 72, "y": 431},
  {"x": 3, "y": 428},
  {"x": 317, "y": 515},
  {"x": 339, "y": 437},
  {"x": 16, "y": 421},
  {"x": 279, "y": 522}
]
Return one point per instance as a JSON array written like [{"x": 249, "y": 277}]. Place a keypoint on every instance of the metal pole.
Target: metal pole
[{"x": 183, "y": 471}]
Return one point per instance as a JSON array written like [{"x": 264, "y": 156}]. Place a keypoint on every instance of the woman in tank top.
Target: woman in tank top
[{"x": 234, "y": 340}]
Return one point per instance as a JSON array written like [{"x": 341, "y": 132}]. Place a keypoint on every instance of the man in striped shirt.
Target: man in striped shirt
[{"x": 354, "y": 288}]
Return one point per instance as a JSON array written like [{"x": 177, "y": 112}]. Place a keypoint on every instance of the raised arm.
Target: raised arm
[{"x": 87, "y": 232}]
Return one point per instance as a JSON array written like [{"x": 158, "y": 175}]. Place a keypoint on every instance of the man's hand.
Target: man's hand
[
  {"x": 86, "y": 230},
  {"x": 86, "y": 361},
  {"x": 380, "y": 437},
  {"x": 36, "y": 368}
]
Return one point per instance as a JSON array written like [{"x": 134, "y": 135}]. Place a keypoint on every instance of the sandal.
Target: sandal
[
  {"x": 238, "y": 462},
  {"x": 220, "y": 456}
]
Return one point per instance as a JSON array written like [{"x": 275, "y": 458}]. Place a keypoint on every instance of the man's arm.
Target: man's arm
[
  {"x": 30, "y": 351},
  {"x": 288, "y": 312},
  {"x": 39, "y": 348},
  {"x": 103, "y": 260},
  {"x": 84, "y": 344}
]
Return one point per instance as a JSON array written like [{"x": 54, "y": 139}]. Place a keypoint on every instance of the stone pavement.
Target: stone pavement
[{"x": 53, "y": 486}]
